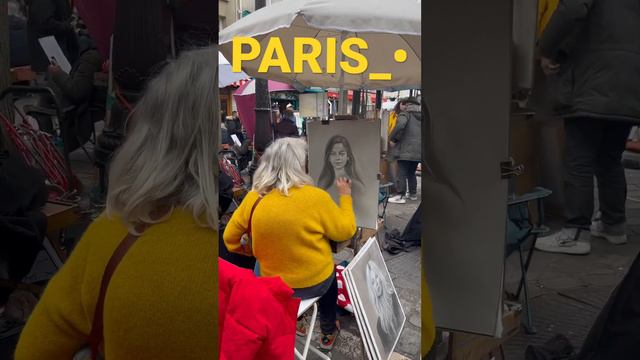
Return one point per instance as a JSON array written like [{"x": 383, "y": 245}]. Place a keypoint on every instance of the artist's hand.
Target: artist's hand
[
  {"x": 549, "y": 67},
  {"x": 54, "y": 69},
  {"x": 344, "y": 186}
]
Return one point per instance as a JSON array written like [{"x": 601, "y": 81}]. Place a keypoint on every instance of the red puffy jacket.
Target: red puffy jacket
[{"x": 257, "y": 315}]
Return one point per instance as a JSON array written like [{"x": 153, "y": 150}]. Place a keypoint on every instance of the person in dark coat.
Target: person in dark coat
[
  {"x": 616, "y": 331},
  {"x": 287, "y": 126},
  {"x": 234, "y": 126},
  {"x": 591, "y": 54},
  {"x": 225, "y": 137},
  {"x": 19, "y": 51},
  {"x": 76, "y": 89},
  {"x": 50, "y": 18},
  {"x": 23, "y": 225},
  {"x": 225, "y": 199},
  {"x": 406, "y": 147}
]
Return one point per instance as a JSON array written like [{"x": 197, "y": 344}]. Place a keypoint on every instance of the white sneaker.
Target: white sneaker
[
  {"x": 566, "y": 241},
  {"x": 598, "y": 230},
  {"x": 413, "y": 197},
  {"x": 398, "y": 199}
]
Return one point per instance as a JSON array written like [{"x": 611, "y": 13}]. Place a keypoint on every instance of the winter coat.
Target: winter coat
[
  {"x": 407, "y": 135},
  {"x": 596, "y": 44},
  {"x": 225, "y": 137},
  {"x": 19, "y": 51},
  {"x": 23, "y": 193},
  {"x": 257, "y": 316},
  {"x": 234, "y": 126},
  {"x": 286, "y": 128},
  {"x": 77, "y": 86},
  {"x": 50, "y": 18},
  {"x": 616, "y": 331}
]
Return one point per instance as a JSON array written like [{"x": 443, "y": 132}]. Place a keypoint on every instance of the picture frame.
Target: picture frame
[{"x": 378, "y": 310}]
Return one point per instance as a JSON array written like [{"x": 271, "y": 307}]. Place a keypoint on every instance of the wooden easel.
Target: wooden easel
[{"x": 465, "y": 346}]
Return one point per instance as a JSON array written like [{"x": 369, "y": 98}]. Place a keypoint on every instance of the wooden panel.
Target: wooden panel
[
  {"x": 466, "y": 346},
  {"x": 59, "y": 217},
  {"x": 524, "y": 142}
]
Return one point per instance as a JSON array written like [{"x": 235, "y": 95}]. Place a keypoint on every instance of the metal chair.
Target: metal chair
[
  {"x": 304, "y": 306},
  {"x": 521, "y": 227},
  {"x": 384, "y": 194}
]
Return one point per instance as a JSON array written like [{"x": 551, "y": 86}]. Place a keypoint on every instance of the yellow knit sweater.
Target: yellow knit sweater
[
  {"x": 393, "y": 118},
  {"x": 291, "y": 233},
  {"x": 546, "y": 8},
  {"x": 161, "y": 302}
]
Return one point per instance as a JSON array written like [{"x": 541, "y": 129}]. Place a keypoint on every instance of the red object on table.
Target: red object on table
[
  {"x": 22, "y": 73},
  {"x": 633, "y": 146}
]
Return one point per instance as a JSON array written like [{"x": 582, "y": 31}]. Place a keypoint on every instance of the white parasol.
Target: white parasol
[{"x": 385, "y": 25}]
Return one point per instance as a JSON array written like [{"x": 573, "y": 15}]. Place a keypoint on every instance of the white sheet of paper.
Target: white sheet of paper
[
  {"x": 236, "y": 140},
  {"x": 54, "y": 53}
]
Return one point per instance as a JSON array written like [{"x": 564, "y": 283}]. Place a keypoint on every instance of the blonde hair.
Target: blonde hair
[
  {"x": 384, "y": 302},
  {"x": 168, "y": 157},
  {"x": 282, "y": 167}
]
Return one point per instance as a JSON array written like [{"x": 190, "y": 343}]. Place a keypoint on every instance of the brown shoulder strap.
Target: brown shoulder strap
[
  {"x": 96, "y": 335},
  {"x": 251, "y": 215}
]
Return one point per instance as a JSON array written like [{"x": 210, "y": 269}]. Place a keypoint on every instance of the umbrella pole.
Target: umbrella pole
[
  {"x": 343, "y": 93},
  {"x": 263, "y": 131}
]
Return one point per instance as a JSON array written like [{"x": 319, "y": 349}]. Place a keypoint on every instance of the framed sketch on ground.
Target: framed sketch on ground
[
  {"x": 351, "y": 149},
  {"x": 367, "y": 341},
  {"x": 378, "y": 310}
]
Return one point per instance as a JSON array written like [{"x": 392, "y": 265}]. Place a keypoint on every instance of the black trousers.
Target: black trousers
[
  {"x": 407, "y": 174},
  {"x": 594, "y": 147},
  {"x": 327, "y": 304},
  {"x": 616, "y": 331}
]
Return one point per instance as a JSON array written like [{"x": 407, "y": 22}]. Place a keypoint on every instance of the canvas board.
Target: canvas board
[
  {"x": 54, "y": 53},
  {"x": 357, "y": 310},
  {"x": 348, "y": 148},
  {"x": 464, "y": 195},
  {"x": 378, "y": 305}
]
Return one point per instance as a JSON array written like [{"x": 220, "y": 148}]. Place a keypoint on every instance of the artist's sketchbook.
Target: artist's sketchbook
[{"x": 54, "y": 53}]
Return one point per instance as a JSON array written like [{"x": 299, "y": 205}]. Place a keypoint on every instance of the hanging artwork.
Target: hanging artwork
[
  {"x": 351, "y": 149},
  {"x": 377, "y": 307}
]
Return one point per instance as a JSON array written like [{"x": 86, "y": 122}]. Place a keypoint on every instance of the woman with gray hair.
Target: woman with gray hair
[
  {"x": 290, "y": 224},
  {"x": 161, "y": 299}
]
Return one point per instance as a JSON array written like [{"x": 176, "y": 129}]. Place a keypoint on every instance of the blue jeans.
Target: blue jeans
[{"x": 256, "y": 269}]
